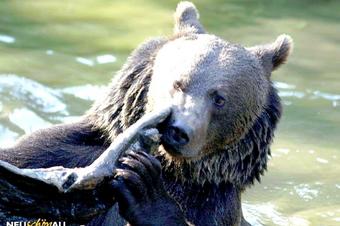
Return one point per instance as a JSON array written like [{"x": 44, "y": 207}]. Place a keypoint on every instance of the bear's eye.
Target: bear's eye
[
  {"x": 219, "y": 101},
  {"x": 178, "y": 86}
]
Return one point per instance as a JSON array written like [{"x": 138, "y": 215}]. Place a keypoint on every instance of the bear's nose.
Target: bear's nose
[{"x": 178, "y": 136}]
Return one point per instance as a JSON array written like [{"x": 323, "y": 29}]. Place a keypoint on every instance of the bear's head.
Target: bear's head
[
  {"x": 217, "y": 89},
  {"x": 225, "y": 108}
]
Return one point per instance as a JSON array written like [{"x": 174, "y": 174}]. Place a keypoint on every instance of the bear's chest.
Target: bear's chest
[{"x": 208, "y": 204}]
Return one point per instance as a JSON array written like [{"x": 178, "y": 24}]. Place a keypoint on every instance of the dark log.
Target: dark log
[{"x": 74, "y": 194}]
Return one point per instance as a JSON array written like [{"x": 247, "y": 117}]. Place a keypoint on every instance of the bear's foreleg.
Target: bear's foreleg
[{"x": 140, "y": 192}]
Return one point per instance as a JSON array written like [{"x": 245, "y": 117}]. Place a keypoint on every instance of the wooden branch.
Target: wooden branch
[{"x": 74, "y": 194}]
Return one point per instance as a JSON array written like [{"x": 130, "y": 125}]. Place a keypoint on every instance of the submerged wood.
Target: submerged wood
[{"x": 74, "y": 194}]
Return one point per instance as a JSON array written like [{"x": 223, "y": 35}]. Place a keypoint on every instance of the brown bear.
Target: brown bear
[{"x": 214, "y": 145}]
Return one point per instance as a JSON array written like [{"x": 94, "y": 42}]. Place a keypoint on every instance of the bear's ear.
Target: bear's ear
[
  {"x": 274, "y": 54},
  {"x": 186, "y": 19}
]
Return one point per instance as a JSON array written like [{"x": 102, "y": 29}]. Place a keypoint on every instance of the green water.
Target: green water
[{"x": 55, "y": 56}]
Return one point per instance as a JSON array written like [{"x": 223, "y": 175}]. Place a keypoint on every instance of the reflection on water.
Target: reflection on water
[
  {"x": 305, "y": 192},
  {"x": 26, "y": 105},
  {"x": 85, "y": 61},
  {"x": 264, "y": 214},
  {"x": 6, "y": 38},
  {"x": 107, "y": 58},
  {"x": 288, "y": 90},
  {"x": 55, "y": 58},
  {"x": 103, "y": 59},
  {"x": 85, "y": 92},
  {"x": 23, "y": 118},
  {"x": 49, "y": 52},
  {"x": 321, "y": 160},
  {"x": 7, "y": 137}
]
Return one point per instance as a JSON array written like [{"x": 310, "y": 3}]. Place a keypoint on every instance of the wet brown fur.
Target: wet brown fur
[
  {"x": 210, "y": 185},
  {"x": 241, "y": 163}
]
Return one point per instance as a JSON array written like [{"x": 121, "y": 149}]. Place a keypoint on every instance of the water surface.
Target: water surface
[{"x": 56, "y": 56}]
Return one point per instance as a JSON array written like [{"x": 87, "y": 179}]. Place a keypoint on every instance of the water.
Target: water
[{"x": 56, "y": 56}]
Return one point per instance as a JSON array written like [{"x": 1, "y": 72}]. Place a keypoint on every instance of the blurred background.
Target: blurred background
[{"x": 56, "y": 57}]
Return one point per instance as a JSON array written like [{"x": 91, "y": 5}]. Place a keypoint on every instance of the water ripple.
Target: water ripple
[
  {"x": 107, "y": 58},
  {"x": 86, "y": 92},
  {"x": 289, "y": 90},
  {"x": 321, "y": 160},
  {"x": 85, "y": 61},
  {"x": 7, "y": 39},
  {"x": 101, "y": 59},
  {"x": 7, "y": 137},
  {"x": 305, "y": 192},
  {"x": 327, "y": 96},
  {"x": 291, "y": 94},
  {"x": 31, "y": 94},
  {"x": 264, "y": 214},
  {"x": 283, "y": 85},
  {"x": 23, "y": 118}
]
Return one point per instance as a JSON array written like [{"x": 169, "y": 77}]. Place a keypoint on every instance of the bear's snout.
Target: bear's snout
[
  {"x": 184, "y": 131},
  {"x": 175, "y": 137}
]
